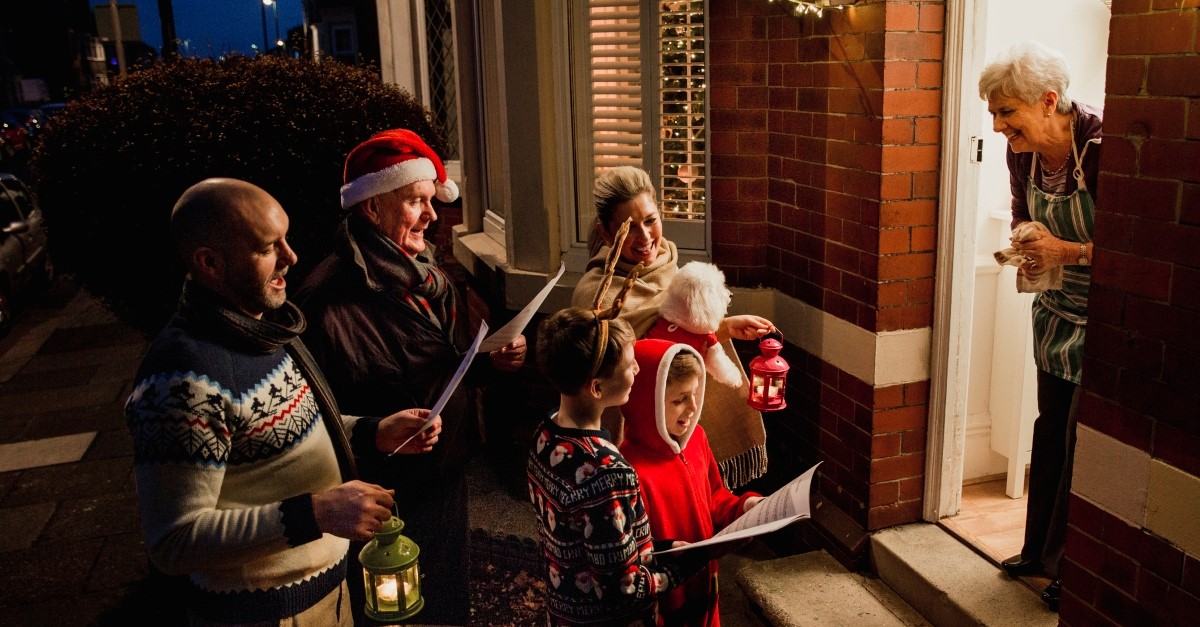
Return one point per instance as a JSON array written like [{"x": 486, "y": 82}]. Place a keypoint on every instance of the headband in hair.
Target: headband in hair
[{"x": 604, "y": 315}]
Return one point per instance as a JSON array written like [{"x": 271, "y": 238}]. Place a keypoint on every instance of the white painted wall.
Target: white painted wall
[{"x": 998, "y": 399}]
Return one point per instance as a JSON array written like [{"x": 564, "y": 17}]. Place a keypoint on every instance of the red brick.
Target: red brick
[
  {"x": 898, "y": 130},
  {"x": 901, "y": 17},
  {"x": 924, "y": 238},
  {"x": 781, "y": 98},
  {"x": 902, "y": 318},
  {"x": 914, "y": 102},
  {"x": 909, "y": 158},
  {"x": 910, "y": 266},
  {"x": 896, "y": 186},
  {"x": 1189, "y": 209},
  {"x": 1161, "y": 33},
  {"x": 884, "y": 494},
  {"x": 1119, "y": 155},
  {"x": 892, "y": 294},
  {"x": 1133, "y": 274},
  {"x": 752, "y": 97},
  {"x": 752, "y": 143},
  {"x": 912, "y": 488},
  {"x": 854, "y": 101},
  {"x": 1171, "y": 76},
  {"x": 929, "y": 76},
  {"x": 916, "y": 392},
  {"x": 885, "y": 445},
  {"x": 926, "y": 184},
  {"x": 1130, "y": 6},
  {"x": 892, "y": 515},
  {"x": 899, "y": 419},
  {"x": 892, "y": 241},
  {"x": 782, "y": 51},
  {"x": 920, "y": 291},
  {"x": 929, "y": 131},
  {"x": 900, "y": 74},
  {"x": 887, "y": 396},
  {"x": 1168, "y": 242},
  {"x": 933, "y": 17},
  {"x": 1124, "y": 76},
  {"x": 913, "y": 213},
  {"x": 913, "y": 441},
  {"x": 1174, "y": 5},
  {"x": 1150, "y": 198},
  {"x": 920, "y": 45},
  {"x": 1158, "y": 117},
  {"x": 1176, "y": 447},
  {"x": 1191, "y": 575}
]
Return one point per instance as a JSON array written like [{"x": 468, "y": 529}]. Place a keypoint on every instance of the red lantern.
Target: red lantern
[{"x": 768, "y": 376}]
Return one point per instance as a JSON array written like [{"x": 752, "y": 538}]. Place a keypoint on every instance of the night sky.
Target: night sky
[{"x": 215, "y": 27}]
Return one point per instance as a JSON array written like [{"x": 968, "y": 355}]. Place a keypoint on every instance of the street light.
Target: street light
[
  {"x": 274, "y": 4},
  {"x": 263, "y": 7}
]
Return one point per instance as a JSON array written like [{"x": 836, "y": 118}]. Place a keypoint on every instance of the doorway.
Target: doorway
[{"x": 984, "y": 398}]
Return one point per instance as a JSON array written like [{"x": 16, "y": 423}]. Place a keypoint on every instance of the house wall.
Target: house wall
[
  {"x": 1133, "y": 545},
  {"x": 824, "y": 187}
]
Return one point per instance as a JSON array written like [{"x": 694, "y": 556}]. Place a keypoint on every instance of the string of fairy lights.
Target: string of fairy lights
[{"x": 803, "y": 7}]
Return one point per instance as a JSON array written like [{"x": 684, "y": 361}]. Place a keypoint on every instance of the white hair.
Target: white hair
[{"x": 1025, "y": 72}]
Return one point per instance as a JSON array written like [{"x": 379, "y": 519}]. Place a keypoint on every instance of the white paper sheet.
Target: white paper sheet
[
  {"x": 450, "y": 387},
  {"x": 787, "y": 505},
  {"x": 510, "y": 331}
]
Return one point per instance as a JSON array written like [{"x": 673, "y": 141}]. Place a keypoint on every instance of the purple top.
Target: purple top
[{"x": 1087, "y": 129}]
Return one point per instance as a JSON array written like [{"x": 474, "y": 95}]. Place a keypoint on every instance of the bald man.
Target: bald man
[{"x": 244, "y": 478}]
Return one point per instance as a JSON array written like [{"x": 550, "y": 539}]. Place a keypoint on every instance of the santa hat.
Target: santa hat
[{"x": 390, "y": 160}]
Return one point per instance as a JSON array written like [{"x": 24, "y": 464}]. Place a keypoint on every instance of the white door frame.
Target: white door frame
[{"x": 950, "y": 354}]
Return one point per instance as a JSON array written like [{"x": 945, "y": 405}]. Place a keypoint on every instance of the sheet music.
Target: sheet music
[
  {"x": 450, "y": 387},
  {"x": 510, "y": 331},
  {"x": 787, "y": 505}
]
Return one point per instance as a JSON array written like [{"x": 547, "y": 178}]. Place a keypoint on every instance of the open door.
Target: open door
[{"x": 983, "y": 401}]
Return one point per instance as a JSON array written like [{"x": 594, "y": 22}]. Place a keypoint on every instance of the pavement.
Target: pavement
[{"x": 71, "y": 549}]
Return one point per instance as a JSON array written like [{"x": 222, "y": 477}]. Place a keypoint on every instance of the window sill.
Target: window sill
[{"x": 487, "y": 261}]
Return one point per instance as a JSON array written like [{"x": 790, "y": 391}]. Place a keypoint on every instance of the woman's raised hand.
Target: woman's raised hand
[{"x": 744, "y": 327}]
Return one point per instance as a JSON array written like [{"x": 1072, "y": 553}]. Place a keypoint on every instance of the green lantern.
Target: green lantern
[{"x": 391, "y": 576}]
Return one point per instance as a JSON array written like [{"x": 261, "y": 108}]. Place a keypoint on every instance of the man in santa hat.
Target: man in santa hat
[{"x": 385, "y": 326}]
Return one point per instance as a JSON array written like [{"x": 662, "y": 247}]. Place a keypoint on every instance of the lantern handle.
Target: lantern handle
[{"x": 770, "y": 333}]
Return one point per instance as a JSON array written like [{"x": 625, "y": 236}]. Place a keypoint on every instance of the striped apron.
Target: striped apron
[{"x": 1059, "y": 316}]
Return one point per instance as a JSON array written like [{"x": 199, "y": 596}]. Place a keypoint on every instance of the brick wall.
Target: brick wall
[
  {"x": 1142, "y": 356},
  {"x": 824, "y": 184}
]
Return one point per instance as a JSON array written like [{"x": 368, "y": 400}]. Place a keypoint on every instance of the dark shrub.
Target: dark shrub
[{"x": 110, "y": 167}]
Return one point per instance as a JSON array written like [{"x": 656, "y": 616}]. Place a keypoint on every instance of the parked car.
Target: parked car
[
  {"x": 24, "y": 255},
  {"x": 14, "y": 133},
  {"x": 32, "y": 118}
]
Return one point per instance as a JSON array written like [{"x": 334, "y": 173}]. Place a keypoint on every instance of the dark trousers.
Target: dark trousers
[{"x": 1050, "y": 466}]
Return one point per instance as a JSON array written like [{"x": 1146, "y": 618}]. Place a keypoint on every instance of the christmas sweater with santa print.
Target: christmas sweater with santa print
[
  {"x": 595, "y": 536},
  {"x": 680, "y": 482}
]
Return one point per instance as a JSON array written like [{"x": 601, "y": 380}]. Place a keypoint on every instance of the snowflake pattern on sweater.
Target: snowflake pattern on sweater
[{"x": 221, "y": 458}]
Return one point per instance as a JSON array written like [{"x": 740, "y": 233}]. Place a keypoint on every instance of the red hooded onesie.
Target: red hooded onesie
[{"x": 681, "y": 485}]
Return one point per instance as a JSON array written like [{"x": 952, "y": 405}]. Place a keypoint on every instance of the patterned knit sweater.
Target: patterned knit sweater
[
  {"x": 594, "y": 531},
  {"x": 228, "y": 448}
]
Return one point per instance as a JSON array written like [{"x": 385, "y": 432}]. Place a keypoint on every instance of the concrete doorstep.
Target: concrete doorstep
[
  {"x": 922, "y": 576},
  {"x": 814, "y": 590},
  {"x": 949, "y": 583}
]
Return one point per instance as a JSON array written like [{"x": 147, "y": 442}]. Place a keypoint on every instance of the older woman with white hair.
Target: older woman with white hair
[{"x": 1053, "y": 163}]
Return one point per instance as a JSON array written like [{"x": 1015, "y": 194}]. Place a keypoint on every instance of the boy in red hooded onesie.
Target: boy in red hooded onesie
[{"x": 680, "y": 483}]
